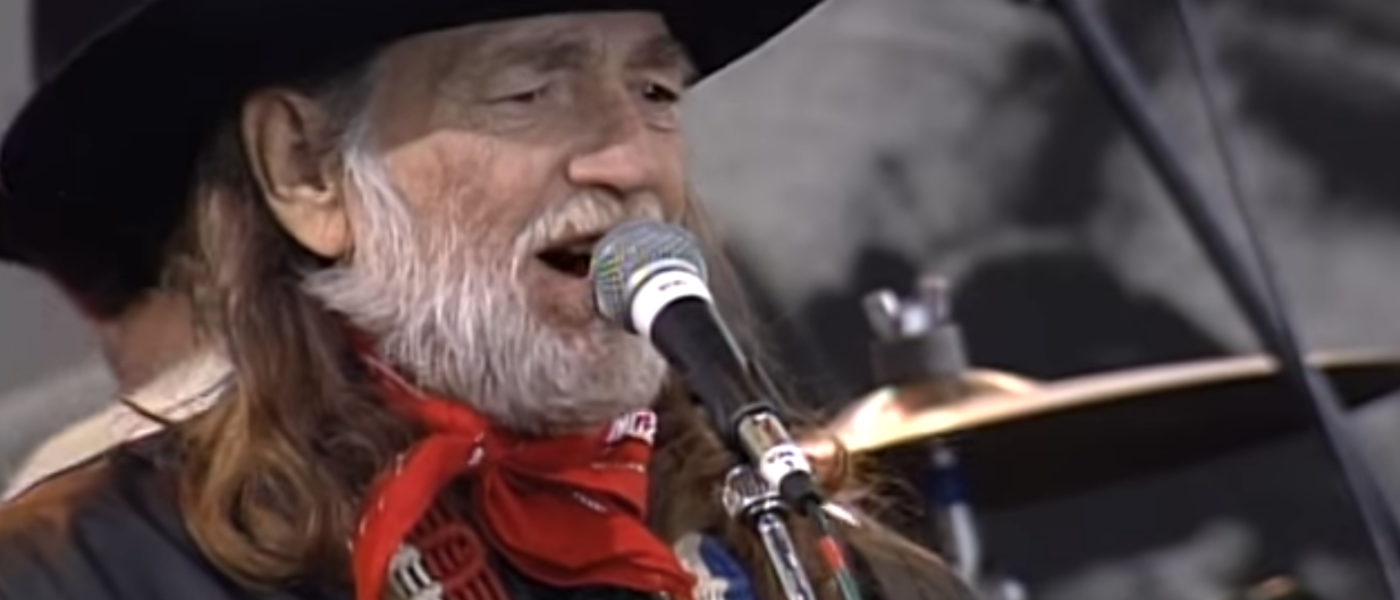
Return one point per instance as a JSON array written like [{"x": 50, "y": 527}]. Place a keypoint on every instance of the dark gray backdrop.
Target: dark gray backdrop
[{"x": 885, "y": 137}]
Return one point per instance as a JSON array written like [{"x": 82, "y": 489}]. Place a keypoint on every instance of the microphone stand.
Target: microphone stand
[
  {"x": 1250, "y": 282},
  {"x": 749, "y": 498},
  {"x": 785, "y": 479}
]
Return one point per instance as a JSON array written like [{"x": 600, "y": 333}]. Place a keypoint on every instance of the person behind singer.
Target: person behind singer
[
  {"x": 381, "y": 213},
  {"x": 68, "y": 417}
]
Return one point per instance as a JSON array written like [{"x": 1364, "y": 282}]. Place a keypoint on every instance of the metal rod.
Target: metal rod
[
  {"x": 749, "y": 498},
  {"x": 1261, "y": 304},
  {"x": 958, "y": 533}
]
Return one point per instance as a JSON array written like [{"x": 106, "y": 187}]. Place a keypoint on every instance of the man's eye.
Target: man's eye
[
  {"x": 655, "y": 92},
  {"x": 527, "y": 97}
]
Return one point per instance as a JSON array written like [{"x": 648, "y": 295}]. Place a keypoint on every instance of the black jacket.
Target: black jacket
[{"x": 110, "y": 530}]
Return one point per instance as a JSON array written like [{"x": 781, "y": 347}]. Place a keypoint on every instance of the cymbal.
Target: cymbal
[
  {"x": 1099, "y": 427},
  {"x": 868, "y": 423}
]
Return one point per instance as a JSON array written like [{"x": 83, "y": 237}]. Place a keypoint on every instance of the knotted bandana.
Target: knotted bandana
[{"x": 566, "y": 511}]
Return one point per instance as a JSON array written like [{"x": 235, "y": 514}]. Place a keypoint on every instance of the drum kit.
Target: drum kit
[{"x": 969, "y": 427}]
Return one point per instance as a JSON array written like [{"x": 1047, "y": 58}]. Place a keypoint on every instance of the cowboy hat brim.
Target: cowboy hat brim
[{"x": 95, "y": 169}]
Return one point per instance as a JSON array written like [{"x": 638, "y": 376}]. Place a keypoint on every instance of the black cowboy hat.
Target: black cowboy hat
[{"x": 95, "y": 169}]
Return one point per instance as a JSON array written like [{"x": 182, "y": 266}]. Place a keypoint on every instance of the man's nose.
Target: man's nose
[{"x": 621, "y": 154}]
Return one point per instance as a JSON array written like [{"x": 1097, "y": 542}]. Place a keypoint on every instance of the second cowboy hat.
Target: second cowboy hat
[{"x": 95, "y": 170}]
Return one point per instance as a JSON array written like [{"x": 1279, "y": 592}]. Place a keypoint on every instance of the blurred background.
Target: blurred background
[{"x": 883, "y": 139}]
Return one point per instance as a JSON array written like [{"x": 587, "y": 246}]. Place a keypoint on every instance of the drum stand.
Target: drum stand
[{"x": 918, "y": 344}]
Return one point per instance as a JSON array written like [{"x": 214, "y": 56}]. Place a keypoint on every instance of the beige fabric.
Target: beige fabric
[
  {"x": 29, "y": 415},
  {"x": 177, "y": 394}
]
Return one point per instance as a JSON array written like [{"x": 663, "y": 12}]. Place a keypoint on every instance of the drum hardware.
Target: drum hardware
[
  {"x": 1154, "y": 418},
  {"x": 931, "y": 396},
  {"x": 748, "y": 497},
  {"x": 917, "y": 343}
]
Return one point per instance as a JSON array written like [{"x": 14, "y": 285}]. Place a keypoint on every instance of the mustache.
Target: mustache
[{"x": 585, "y": 214}]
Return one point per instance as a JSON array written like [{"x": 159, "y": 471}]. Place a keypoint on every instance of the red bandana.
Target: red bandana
[{"x": 566, "y": 511}]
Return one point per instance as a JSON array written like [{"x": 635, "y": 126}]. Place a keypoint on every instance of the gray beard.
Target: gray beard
[{"x": 456, "y": 320}]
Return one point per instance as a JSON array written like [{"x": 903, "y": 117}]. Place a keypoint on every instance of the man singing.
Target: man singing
[{"x": 381, "y": 213}]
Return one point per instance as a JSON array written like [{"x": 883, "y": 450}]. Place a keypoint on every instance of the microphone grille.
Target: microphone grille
[{"x": 635, "y": 247}]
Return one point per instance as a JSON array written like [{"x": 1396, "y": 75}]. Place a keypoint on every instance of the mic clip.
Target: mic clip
[{"x": 762, "y": 437}]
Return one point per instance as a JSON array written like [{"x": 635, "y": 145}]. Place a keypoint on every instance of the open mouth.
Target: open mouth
[{"x": 571, "y": 257}]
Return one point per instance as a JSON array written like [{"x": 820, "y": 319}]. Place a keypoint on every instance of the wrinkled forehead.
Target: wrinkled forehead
[{"x": 551, "y": 42}]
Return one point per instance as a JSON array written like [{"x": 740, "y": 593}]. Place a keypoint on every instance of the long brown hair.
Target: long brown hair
[{"x": 272, "y": 475}]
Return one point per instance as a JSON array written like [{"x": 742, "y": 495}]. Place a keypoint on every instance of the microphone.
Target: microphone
[{"x": 650, "y": 278}]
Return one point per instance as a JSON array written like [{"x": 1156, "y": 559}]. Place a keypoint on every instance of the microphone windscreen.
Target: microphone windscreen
[{"x": 630, "y": 253}]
